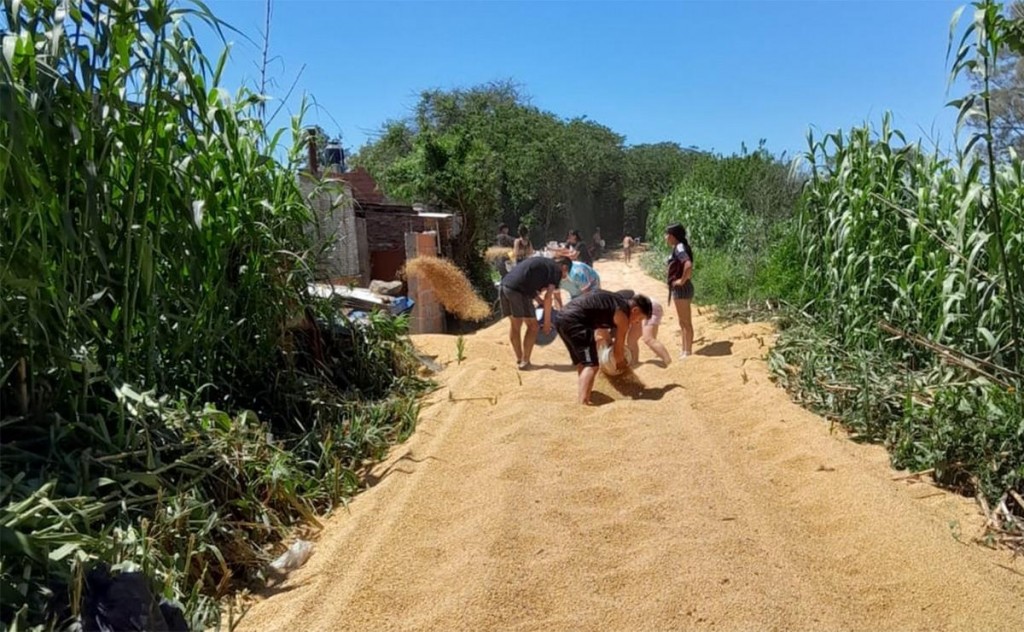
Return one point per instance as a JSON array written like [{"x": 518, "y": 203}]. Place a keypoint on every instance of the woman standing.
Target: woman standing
[
  {"x": 578, "y": 250},
  {"x": 522, "y": 248},
  {"x": 680, "y": 283}
]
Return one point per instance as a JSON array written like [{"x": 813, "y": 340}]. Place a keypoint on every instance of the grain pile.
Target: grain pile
[
  {"x": 450, "y": 285},
  {"x": 711, "y": 502},
  {"x": 627, "y": 383}
]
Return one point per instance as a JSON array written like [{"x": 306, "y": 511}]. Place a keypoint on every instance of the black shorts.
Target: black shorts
[
  {"x": 684, "y": 291},
  {"x": 580, "y": 343},
  {"x": 516, "y": 304}
]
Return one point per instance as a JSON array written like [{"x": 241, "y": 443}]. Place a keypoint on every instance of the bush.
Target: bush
[
  {"x": 171, "y": 399},
  {"x": 712, "y": 222}
]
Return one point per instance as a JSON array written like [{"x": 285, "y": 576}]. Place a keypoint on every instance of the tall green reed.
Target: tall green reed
[
  {"x": 913, "y": 269},
  {"x": 152, "y": 256}
]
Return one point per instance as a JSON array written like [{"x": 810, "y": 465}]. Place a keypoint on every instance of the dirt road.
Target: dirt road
[{"x": 712, "y": 502}]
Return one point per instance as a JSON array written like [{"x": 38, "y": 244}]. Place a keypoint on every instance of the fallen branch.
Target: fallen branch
[
  {"x": 838, "y": 388},
  {"x": 959, "y": 358},
  {"x": 904, "y": 477},
  {"x": 452, "y": 398}
]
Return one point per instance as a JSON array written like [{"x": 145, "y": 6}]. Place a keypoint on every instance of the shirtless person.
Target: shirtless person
[
  {"x": 646, "y": 331},
  {"x": 580, "y": 319},
  {"x": 535, "y": 275},
  {"x": 627, "y": 248}
]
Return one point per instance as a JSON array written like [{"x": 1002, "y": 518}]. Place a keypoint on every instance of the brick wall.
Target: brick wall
[
  {"x": 386, "y": 230},
  {"x": 427, "y": 316}
]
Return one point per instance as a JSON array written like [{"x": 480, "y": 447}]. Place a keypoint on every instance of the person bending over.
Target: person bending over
[
  {"x": 582, "y": 278},
  {"x": 646, "y": 331},
  {"x": 534, "y": 276},
  {"x": 582, "y": 317}
]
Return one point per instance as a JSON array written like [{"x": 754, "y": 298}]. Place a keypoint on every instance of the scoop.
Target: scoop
[
  {"x": 543, "y": 338},
  {"x": 606, "y": 358}
]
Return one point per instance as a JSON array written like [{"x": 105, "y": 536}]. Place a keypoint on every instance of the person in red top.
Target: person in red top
[{"x": 680, "y": 282}]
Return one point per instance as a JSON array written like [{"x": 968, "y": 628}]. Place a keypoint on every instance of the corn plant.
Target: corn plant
[
  {"x": 152, "y": 256},
  {"x": 914, "y": 265}
]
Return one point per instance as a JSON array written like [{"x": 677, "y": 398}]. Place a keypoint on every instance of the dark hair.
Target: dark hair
[
  {"x": 575, "y": 233},
  {"x": 679, "y": 233},
  {"x": 502, "y": 227},
  {"x": 644, "y": 303},
  {"x": 564, "y": 261},
  {"x": 524, "y": 232}
]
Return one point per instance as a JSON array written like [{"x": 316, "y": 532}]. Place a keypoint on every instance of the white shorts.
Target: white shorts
[{"x": 657, "y": 311}]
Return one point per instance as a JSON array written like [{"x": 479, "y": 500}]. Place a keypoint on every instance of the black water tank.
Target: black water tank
[{"x": 334, "y": 155}]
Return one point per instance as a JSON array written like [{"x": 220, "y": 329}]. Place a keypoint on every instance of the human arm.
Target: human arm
[
  {"x": 548, "y": 298},
  {"x": 592, "y": 281},
  {"x": 686, "y": 273},
  {"x": 680, "y": 268}
]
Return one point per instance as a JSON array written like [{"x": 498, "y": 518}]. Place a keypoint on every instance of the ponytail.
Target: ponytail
[
  {"x": 689, "y": 250},
  {"x": 678, "y": 232}
]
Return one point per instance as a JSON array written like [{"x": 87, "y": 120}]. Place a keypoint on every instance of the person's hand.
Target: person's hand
[{"x": 620, "y": 364}]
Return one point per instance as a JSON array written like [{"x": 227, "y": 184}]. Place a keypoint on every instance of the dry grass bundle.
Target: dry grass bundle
[
  {"x": 451, "y": 286},
  {"x": 497, "y": 253}
]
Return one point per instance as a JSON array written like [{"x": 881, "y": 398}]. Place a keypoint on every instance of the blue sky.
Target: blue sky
[{"x": 709, "y": 74}]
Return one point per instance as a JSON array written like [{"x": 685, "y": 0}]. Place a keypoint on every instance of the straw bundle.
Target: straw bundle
[
  {"x": 451, "y": 286},
  {"x": 497, "y": 253}
]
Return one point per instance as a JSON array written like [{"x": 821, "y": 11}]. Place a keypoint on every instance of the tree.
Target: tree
[
  {"x": 488, "y": 154},
  {"x": 1006, "y": 86},
  {"x": 651, "y": 172}
]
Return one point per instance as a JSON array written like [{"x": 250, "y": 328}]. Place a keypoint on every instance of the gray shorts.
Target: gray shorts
[
  {"x": 516, "y": 304},
  {"x": 686, "y": 291}
]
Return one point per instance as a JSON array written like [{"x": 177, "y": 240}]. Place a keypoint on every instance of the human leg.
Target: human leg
[
  {"x": 515, "y": 336},
  {"x": 650, "y": 338},
  {"x": 685, "y": 324},
  {"x": 588, "y": 375},
  {"x": 521, "y": 309},
  {"x": 582, "y": 348},
  {"x": 532, "y": 329},
  {"x": 633, "y": 342}
]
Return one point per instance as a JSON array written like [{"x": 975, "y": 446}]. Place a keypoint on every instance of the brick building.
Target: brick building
[{"x": 384, "y": 226}]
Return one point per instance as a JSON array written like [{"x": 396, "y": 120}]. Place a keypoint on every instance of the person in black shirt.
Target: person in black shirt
[
  {"x": 518, "y": 290},
  {"x": 579, "y": 248},
  {"x": 580, "y": 319}
]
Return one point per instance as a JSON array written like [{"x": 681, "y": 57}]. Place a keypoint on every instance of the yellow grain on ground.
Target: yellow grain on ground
[
  {"x": 451, "y": 287},
  {"x": 709, "y": 502}
]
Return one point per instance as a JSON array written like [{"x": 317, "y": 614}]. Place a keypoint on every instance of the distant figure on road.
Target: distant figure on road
[
  {"x": 504, "y": 239},
  {"x": 627, "y": 248},
  {"x": 597, "y": 244},
  {"x": 582, "y": 317},
  {"x": 522, "y": 248},
  {"x": 578, "y": 250},
  {"x": 526, "y": 281},
  {"x": 680, "y": 282}
]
